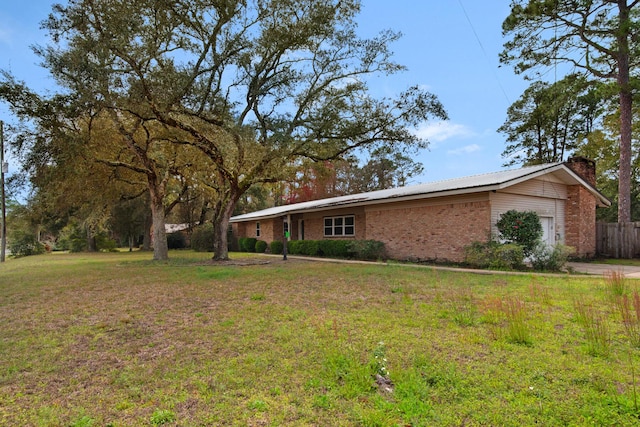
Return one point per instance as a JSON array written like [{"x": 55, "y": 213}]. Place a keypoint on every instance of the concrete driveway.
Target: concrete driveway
[{"x": 631, "y": 272}]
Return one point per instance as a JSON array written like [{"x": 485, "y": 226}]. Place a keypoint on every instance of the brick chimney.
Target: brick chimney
[{"x": 584, "y": 168}]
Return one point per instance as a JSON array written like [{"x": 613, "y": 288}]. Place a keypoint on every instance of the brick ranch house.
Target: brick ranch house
[{"x": 435, "y": 221}]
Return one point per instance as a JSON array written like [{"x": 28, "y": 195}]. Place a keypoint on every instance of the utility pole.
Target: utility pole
[{"x": 3, "y": 169}]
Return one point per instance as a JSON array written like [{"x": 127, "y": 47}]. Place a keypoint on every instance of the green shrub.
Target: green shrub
[
  {"x": 202, "y": 238},
  {"x": 176, "y": 241},
  {"x": 25, "y": 244},
  {"x": 508, "y": 256},
  {"x": 477, "y": 254},
  {"x": 494, "y": 255},
  {"x": 303, "y": 247},
  {"x": 72, "y": 238},
  {"x": 370, "y": 250},
  {"x": 247, "y": 244},
  {"x": 294, "y": 247},
  {"x": 309, "y": 247},
  {"x": 550, "y": 258},
  {"x": 522, "y": 228},
  {"x": 106, "y": 244},
  {"x": 276, "y": 247},
  {"x": 333, "y": 248},
  {"x": 261, "y": 246}
]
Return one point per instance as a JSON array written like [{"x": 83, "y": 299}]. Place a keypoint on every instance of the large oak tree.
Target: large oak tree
[{"x": 254, "y": 85}]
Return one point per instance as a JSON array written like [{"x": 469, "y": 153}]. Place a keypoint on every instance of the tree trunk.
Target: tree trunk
[
  {"x": 160, "y": 247},
  {"x": 91, "y": 240},
  {"x": 626, "y": 100},
  {"x": 146, "y": 237},
  {"x": 220, "y": 227}
]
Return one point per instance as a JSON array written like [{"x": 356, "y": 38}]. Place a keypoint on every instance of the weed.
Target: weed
[
  {"x": 596, "y": 328},
  {"x": 508, "y": 318},
  {"x": 493, "y": 315},
  {"x": 616, "y": 284},
  {"x": 629, "y": 308},
  {"x": 258, "y": 405},
  {"x": 540, "y": 293},
  {"x": 257, "y": 297},
  {"x": 380, "y": 360},
  {"x": 518, "y": 330},
  {"x": 162, "y": 416},
  {"x": 84, "y": 421}
]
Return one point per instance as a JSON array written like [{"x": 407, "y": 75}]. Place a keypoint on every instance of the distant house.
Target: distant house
[{"x": 437, "y": 220}]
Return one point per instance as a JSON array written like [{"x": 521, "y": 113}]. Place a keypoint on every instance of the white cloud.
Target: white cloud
[
  {"x": 443, "y": 130},
  {"x": 467, "y": 149}
]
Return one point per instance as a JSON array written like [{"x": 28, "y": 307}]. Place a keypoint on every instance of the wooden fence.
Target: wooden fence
[{"x": 618, "y": 240}]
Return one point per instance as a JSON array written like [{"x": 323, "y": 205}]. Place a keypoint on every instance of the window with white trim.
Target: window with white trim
[
  {"x": 257, "y": 229},
  {"x": 335, "y": 226}
]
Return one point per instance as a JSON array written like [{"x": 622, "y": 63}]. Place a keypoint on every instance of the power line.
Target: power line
[{"x": 484, "y": 52}]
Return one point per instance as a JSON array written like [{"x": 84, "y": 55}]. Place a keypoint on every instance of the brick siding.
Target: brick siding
[
  {"x": 580, "y": 221},
  {"x": 438, "y": 232},
  {"x": 314, "y": 225}
]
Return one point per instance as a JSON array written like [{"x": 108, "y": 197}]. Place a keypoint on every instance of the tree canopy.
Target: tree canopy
[
  {"x": 253, "y": 86},
  {"x": 598, "y": 38},
  {"x": 550, "y": 120}
]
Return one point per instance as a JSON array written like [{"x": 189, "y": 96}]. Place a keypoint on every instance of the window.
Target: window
[
  {"x": 340, "y": 225},
  {"x": 257, "y": 229}
]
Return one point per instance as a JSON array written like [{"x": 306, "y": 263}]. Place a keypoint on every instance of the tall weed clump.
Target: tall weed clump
[
  {"x": 615, "y": 283},
  {"x": 629, "y": 308},
  {"x": 518, "y": 329},
  {"x": 509, "y": 319},
  {"x": 595, "y": 326}
]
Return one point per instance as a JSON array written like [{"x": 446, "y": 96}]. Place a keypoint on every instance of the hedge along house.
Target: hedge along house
[{"x": 436, "y": 221}]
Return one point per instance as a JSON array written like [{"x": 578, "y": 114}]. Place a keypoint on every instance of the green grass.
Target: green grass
[
  {"x": 613, "y": 261},
  {"x": 115, "y": 339}
]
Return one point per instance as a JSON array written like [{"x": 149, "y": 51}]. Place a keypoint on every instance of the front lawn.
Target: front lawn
[{"x": 118, "y": 340}]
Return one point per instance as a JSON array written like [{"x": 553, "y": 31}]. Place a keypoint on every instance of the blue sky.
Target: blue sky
[{"x": 449, "y": 47}]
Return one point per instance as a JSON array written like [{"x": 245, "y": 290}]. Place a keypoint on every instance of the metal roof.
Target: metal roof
[{"x": 456, "y": 186}]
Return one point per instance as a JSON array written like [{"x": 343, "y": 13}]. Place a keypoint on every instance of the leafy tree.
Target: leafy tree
[
  {"x": 53, "y": 161},
  {"x": 385, "y": 169},
  {"x": 549, "y": 121},
  {"x": 316, "y": 180},
  {"x": 601, "y": 146},
  {"x": 253, "y": 85},
  {"x": 23, "y": 231},
  {"x": 598, "y": 37}
]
